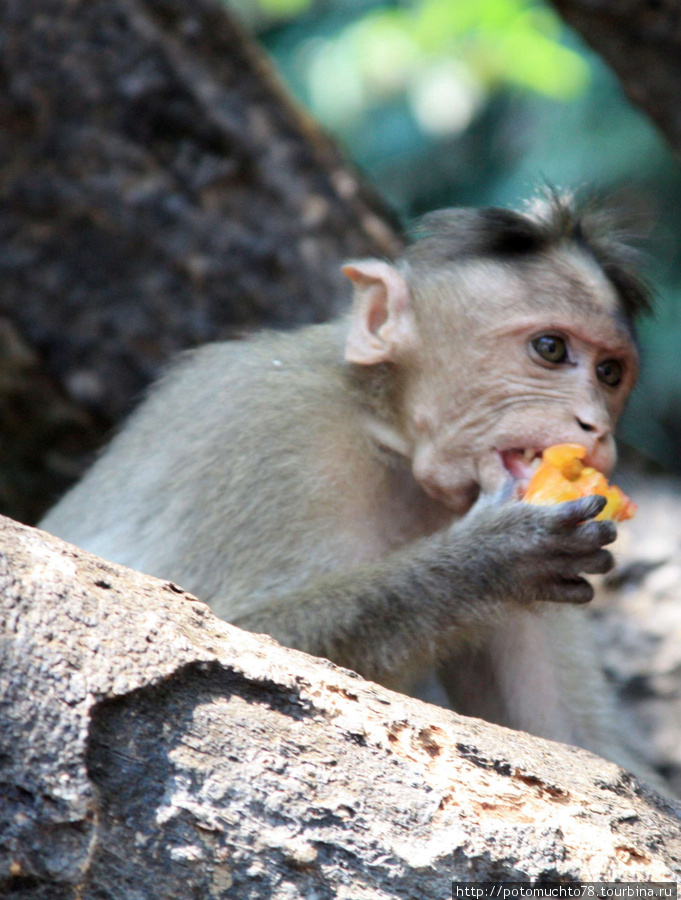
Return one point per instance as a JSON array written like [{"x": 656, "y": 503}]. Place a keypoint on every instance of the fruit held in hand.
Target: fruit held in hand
[{"x": 563, "y": 476}]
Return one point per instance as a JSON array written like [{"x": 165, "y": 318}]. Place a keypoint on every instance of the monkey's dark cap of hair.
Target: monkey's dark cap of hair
[{"x": 452, "y": 235}]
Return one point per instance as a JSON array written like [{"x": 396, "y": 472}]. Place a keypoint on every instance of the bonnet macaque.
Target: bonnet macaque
[{"x": 351, "y": 488}]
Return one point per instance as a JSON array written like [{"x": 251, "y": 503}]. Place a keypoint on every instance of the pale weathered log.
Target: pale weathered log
[{"x": 150, "y": 750}]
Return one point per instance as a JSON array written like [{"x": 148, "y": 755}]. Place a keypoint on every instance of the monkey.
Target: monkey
[{"x": 352, "y": 488}]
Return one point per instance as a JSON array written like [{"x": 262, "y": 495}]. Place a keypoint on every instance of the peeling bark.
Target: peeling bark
[{"x": 150, "y": 750}]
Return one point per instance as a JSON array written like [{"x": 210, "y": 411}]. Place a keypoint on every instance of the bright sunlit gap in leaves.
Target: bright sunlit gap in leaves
[{"x": 444, "y": 58}]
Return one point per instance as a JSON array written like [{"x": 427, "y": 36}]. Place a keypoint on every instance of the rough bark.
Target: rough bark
[
  {"x": 150, "y": 750},
  {"x": 157, "y": 190},
  {"x": 641, "y": 41}
]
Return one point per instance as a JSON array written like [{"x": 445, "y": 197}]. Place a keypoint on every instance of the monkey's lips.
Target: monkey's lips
[{"x": 521, "y": 464}]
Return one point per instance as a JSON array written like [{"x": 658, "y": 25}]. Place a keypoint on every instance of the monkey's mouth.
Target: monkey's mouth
[{"x": 521, "y": 464}]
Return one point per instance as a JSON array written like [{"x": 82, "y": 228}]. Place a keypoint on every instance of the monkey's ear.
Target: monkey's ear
[{"x": 381, "y": 321}]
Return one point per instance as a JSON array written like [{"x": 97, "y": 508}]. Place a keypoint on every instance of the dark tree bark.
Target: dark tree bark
[
  {"x": 641, "y": 41},
  {"x": 157, "y": 190}
]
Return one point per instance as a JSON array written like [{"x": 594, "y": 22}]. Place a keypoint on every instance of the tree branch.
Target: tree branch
[
  {"x": 641, "y": 41},
  {"x": 150, "y": 749}
]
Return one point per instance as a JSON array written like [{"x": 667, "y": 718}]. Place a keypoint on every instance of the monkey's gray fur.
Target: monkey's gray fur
[{"x": 341, "y": 487}]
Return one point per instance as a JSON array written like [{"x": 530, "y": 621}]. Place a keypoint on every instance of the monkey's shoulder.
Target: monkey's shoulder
[{"x": 252, "y": 374}]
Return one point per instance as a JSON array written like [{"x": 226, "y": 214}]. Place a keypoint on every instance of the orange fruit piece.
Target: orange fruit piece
[{"x": 563, "y": 476}]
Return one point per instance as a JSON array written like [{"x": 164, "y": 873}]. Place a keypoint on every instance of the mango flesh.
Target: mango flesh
[{"x": 563, "y": 476}]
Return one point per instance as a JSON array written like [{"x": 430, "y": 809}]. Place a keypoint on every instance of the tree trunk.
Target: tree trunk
[
  {"x": 157, "y": 190},
  {"x": 641, "y": 41},
  {"x": 150, "y": 750}
]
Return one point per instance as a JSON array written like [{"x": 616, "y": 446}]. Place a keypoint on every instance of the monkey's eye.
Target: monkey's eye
[
  {"x": 609, "y": 372},
  {"x": 551, "y": 348}
]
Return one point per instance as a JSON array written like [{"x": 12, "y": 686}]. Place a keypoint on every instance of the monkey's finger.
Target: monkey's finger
[
  {"x": 597, "y": 563},
  {"x": 586, "y": 538},
  {"x": 571, "y": 590},
  {"x": 572, "y": 512}
]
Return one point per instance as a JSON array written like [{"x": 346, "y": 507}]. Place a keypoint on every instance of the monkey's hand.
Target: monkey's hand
[{"x": 533, "y": 553}]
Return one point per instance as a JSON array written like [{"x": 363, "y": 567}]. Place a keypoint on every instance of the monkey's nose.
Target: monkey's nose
[
  {"x": 595, "y": 425},
  {"x": 599, "y": 444}
]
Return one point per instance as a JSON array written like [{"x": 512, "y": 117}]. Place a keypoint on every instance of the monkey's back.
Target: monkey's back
[{"x": 219, "y": 481}]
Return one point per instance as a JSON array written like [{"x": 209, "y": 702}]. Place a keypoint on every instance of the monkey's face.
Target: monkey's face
[{"x": 519, "y": 359}]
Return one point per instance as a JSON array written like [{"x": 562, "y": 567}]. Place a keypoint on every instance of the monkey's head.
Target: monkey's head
[{"x": 506, "y": 332}]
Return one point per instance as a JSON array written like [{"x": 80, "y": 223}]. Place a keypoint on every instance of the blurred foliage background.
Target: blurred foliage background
[{"x": 479, "y": 102}]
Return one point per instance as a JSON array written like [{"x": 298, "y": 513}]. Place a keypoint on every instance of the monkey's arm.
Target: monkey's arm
[{"x": 417, "y": 603}]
